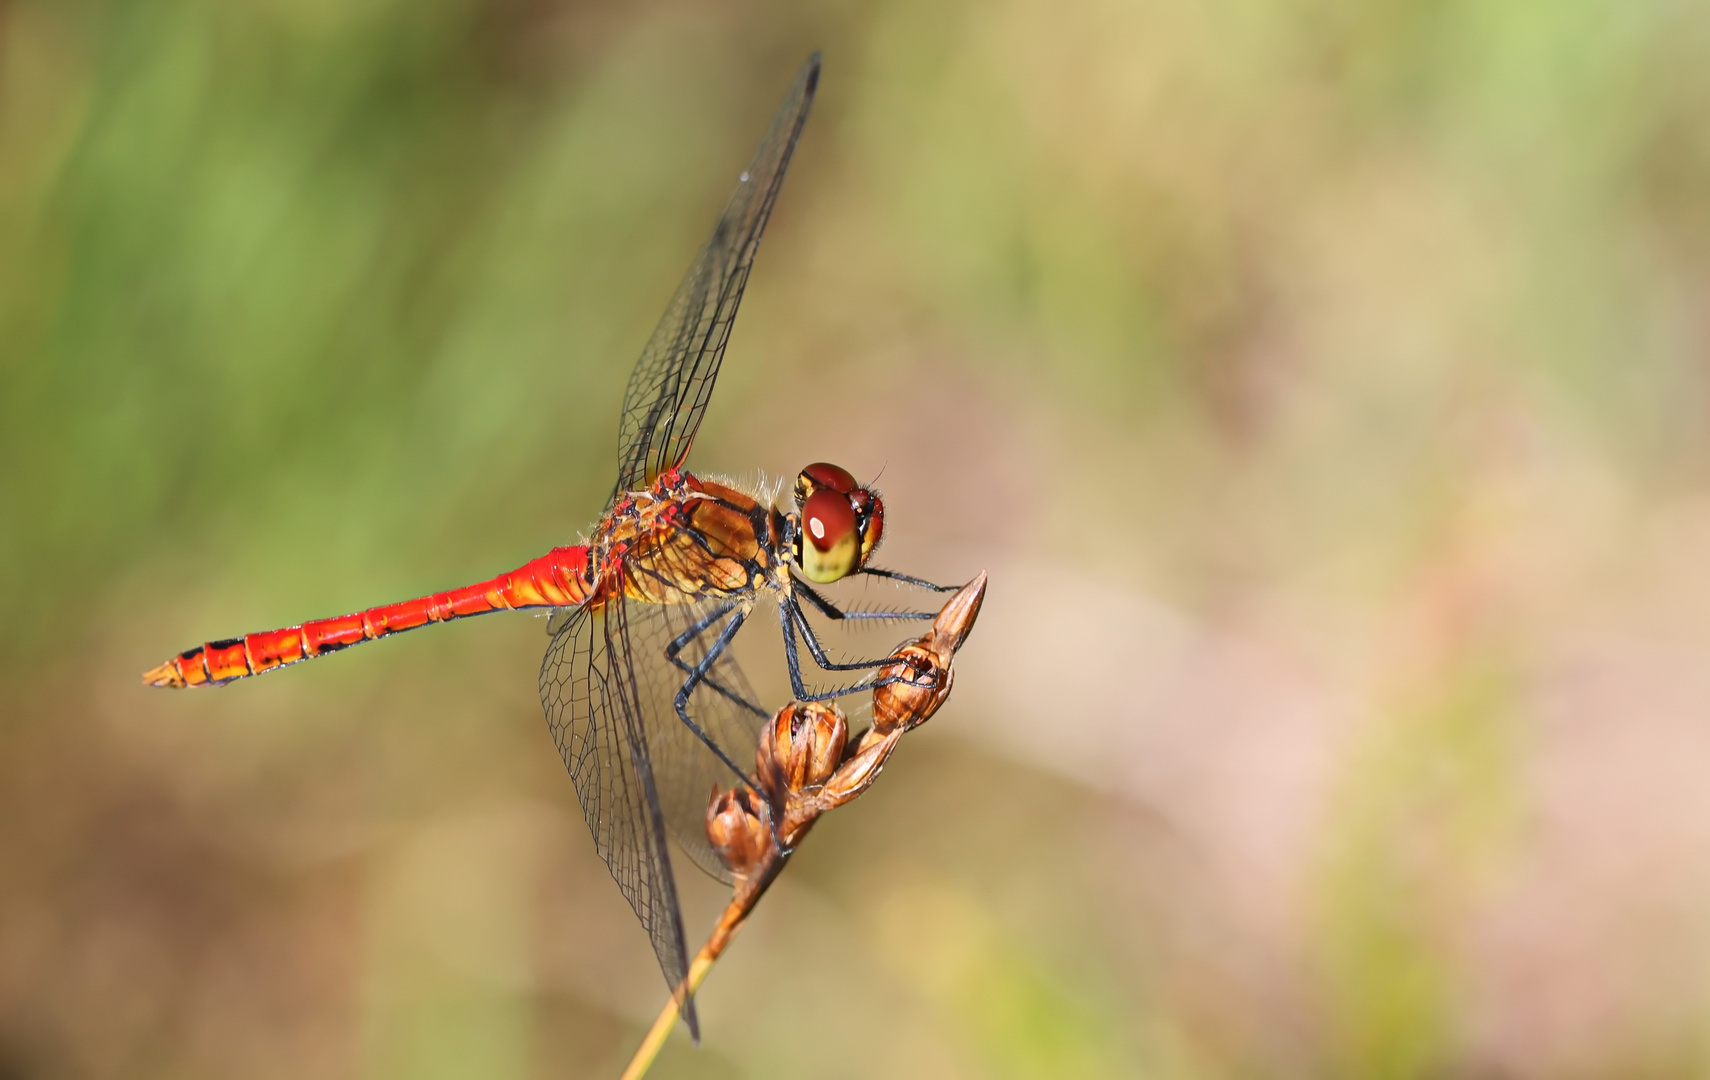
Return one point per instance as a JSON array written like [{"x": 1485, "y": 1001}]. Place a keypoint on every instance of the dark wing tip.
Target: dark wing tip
[
  {"x": 689, "y": 1018},
  {"x": 810, "y": 71}
]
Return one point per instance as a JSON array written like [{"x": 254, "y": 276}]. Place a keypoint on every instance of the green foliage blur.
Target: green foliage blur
[{"x": 1325, "y": 385}]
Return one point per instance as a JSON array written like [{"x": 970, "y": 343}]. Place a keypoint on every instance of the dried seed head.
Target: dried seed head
[
  {"x": 922, "y": 683},
  {"x": 921, "y": 674},
  {"x": 737, "y": 827},
  {"x": 956, "y": 618},
  {"x": 803, "y": 746}
]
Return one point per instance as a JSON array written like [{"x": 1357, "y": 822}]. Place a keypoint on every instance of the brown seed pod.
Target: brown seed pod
[
  {"x": 801, "y": 748},
  {"x": 922, "y": 683},
  {"x": 922, "y": 672},
  {"x": 955, "y": 619},
  {"x": 738, "y": 825}
]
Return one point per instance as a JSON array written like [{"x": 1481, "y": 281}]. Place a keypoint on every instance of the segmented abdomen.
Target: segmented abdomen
[{"x": 560, "y": 578}]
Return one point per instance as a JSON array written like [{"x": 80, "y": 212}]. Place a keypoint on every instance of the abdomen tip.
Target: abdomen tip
[{"x": 165, "y": 675}]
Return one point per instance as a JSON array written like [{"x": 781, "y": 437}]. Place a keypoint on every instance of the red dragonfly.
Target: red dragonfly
[{"x": 644, "y": 699}]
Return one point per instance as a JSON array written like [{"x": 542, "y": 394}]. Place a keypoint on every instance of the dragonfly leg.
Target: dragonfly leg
[
  {"x": 908, "y": 579},
  {"x": 832, "y": 611},
  {"x": 698, "y": 675},
  {"x": 673, "y": 653},
  {"x": 811, "y": 640},
  {"x": 790, "y": 614}
]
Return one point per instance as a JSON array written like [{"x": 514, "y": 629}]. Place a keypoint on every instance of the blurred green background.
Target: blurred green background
[{"x": 1323, "y": 383}]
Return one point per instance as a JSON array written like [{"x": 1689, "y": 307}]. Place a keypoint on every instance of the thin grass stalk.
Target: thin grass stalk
[{"x": 735, "y": 914}]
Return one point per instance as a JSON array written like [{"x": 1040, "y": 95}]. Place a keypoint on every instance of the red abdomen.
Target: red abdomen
[{"x": 560, "y": 578}]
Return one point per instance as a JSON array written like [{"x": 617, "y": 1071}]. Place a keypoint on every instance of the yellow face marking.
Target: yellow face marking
[{"x": 824, "y": 567}]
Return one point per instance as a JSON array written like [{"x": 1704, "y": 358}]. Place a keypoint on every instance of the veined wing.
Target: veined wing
[
  {"x": 590, "y": 707},
  {"x": 669, "y": 389},
  {"x": 722, "y": 706},
  {"x": 609, "y": 688}
]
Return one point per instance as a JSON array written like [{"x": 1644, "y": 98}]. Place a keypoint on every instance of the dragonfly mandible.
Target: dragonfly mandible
[{"x": 647, "y": 705}]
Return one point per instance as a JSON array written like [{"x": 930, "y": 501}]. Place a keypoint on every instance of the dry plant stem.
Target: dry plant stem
[
  {"x": 856, "y": 776},
  {"x": 748, "y": 894}
]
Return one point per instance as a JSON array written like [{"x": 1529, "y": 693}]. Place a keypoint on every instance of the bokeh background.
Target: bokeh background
[{"x": 1323, "y": 384}]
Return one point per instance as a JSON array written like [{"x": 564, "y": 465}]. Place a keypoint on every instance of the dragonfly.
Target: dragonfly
[{"x": 646, "y": 703}]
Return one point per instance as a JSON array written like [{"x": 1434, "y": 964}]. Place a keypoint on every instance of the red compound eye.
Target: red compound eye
[
  {"x": 874, "y": 508},
  {"x": 826, "y": 475},
  {"x": 827, "y": 518}
]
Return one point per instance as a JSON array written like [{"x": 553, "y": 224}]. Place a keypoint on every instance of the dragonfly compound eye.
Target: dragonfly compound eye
[
  {"x": 823, "y": 476},
  {"x": 832, "y": 548},
  {"x": 869, "y": 519}
]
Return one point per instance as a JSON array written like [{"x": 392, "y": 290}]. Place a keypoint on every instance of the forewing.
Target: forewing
[{"x": 669, "y": 389}]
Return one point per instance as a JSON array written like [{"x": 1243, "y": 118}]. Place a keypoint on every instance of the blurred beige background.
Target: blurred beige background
[{"x": 1323, "y": 384}]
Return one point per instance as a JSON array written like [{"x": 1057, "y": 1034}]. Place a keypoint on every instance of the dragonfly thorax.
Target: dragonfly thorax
[{"x": 837, "y": 523}]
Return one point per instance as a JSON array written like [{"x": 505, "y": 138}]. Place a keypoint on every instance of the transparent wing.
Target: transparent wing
[
  {"x": 722, "y": 706},
  {"x": 591, "y": 708},
  {"x": 669, "y": 389},
  {"x": 609, "y": 689}
]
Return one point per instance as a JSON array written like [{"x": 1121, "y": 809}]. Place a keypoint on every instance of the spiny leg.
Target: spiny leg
[
  {"x": 788, "y": 615},
  {"x": 832, "y": 611},
  {"x": 907, "y": 578},
  {"x": 673, "y": 653},
  {"x": 697, "y": 675},
  {"x": 811, "y": 639}
]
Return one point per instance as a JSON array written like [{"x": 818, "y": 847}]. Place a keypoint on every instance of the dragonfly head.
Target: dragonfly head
[{"x": 839, "y": 523}]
